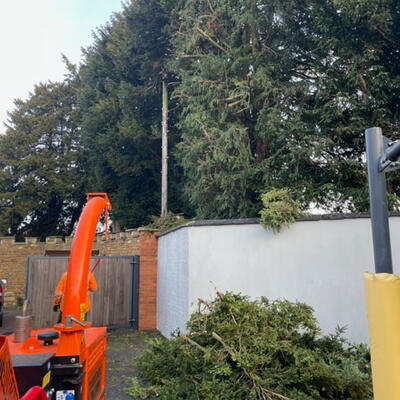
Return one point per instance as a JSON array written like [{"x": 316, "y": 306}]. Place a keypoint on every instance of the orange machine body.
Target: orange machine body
[
  {"x": 93, "y": 357},
  {"x": 77, "y": 359},
  {"x": 8, "y": 384}
]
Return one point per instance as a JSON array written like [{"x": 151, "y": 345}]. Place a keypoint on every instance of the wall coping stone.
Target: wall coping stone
[
  {"x": 254, "y": 221},
  {"x": 7, "y": 240},
  {"x": 54, "y": 239},
  {"x": 32, "y": 240},
  {"x": 100, "y": 237},
  {"x": 145, "y": 229}
]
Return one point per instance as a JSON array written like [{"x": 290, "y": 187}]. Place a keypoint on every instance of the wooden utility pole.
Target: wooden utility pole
[{"x": 164, "y": 159}]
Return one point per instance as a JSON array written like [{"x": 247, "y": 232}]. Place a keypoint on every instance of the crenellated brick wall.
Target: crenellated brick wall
[{"x": 14, "y": 256}]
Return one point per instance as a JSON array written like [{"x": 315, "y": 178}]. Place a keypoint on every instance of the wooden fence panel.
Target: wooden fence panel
[
  {"x": 43, "y": 277},
  {"x": 111, "y": 303}
]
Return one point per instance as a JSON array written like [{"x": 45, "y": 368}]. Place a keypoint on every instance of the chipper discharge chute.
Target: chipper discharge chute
[{"x": 68, "y": 361}]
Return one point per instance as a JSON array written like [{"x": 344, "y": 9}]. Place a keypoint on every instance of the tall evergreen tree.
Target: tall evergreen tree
[
  {"x": 278, "y": 94},
  {"x": 368, "y": 83},
  {"x": 121, "y": 111},
  {"x": 42, "y": 176}
]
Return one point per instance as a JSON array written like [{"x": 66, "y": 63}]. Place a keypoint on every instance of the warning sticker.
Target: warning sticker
[
  {"x": 46, "y": 379},
  {"x": 65, "y": 395}
]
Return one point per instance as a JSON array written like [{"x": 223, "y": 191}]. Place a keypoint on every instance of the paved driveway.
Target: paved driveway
[{"x": 123, "y": 345}]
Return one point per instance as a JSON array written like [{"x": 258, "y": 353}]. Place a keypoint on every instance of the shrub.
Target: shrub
[
  {"x": 279, "y": 210},
  {"x": 253, "y": 350},
  {"x": 167, "y": 221}
]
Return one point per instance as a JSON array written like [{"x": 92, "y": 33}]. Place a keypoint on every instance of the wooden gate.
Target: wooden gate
[{"x": 115, "y": 303}]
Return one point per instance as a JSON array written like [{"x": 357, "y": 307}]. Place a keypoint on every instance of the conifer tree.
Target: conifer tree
[
  {"x": 42, "y": 176},
  {"x": 121, "y": 112},
  {"x": 278, "y": 94}
]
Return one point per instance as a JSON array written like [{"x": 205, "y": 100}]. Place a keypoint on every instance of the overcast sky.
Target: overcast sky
[{"x": 34, "y": 34}]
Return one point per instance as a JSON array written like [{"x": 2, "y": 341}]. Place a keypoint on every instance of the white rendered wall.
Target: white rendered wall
[
  {"x": 173, "y": 282},
  {"x": 317, "y": 262}
]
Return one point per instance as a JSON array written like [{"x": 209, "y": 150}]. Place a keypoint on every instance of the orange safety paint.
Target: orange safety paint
[
  {"x": 78, "y": 272},
  {"x": 78, "y": 339}
]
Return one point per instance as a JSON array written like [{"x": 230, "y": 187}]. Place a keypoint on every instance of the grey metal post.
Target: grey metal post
[{"x": 378, "y": 201}]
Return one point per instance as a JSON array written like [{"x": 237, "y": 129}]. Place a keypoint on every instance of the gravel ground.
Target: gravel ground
[{"x": 122, "y": 346}]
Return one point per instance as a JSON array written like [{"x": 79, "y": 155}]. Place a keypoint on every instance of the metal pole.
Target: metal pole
[
  {"x": 378, "y": 202},
  {"x": 392, "y": 153},
  {"x": 164, "y": 148}
]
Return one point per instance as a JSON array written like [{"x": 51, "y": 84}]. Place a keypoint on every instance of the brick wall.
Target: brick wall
[
  {"x": 14, "y": 256},
  {"x": 148, "y": 243}
]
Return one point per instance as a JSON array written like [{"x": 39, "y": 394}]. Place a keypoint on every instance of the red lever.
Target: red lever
[
  {"x": 35, "y": 393},
  {"x": 95, "y": 265}
]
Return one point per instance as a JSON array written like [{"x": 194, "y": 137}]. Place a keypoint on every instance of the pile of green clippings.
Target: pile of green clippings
[{"x": 241, "y": 349}]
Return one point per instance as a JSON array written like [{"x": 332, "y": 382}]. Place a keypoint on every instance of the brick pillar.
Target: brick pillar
[{"x": 148, "y": 245}]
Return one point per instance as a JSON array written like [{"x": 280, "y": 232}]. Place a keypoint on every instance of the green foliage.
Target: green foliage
[
  {"x": 278, "y": 94},
  {"x": 42, "y": 166},
  {"x": 280, "y": 209},
  {"x": 20, "y": 301},
  {"x": 264, "y": 93},
  {"x": 120, "y": 105},
  {"x": 241, "y": 349},
  {"x": 167, "y": 221},
  {"x": 137, "y": 391}
]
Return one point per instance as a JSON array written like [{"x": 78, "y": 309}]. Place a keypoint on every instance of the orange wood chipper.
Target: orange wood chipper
[{"x": 68, "y": 361}]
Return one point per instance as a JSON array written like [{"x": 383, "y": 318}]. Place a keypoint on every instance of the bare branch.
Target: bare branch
[
  {"x": 384, "y": 35},
  {"x": 210, "y": 6},
  {"x": 193, "y": 343}
]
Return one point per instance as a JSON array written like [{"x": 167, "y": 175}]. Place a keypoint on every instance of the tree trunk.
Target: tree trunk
[{"x": 164, "y": 160}]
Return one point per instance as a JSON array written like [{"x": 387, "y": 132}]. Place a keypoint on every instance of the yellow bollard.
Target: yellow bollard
[{"x": 383, "y": 309}]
